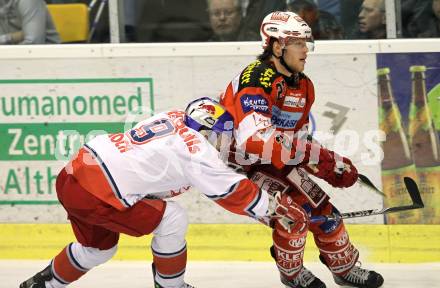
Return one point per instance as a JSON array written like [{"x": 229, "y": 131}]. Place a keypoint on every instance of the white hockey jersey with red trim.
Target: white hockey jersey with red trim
[{"x": 161, "y": 157}]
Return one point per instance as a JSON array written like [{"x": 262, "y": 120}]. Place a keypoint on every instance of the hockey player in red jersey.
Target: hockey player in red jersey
[
  {"x": 116, "y": 184},
  {"x": 270, "y": 101}
]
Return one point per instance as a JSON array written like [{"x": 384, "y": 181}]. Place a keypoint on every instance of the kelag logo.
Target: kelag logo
[
  {"x": 255, "y": 103},
  {"x": 37, "y": 115}
]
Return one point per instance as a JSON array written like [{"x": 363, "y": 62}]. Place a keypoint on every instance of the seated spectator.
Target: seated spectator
[
  {"x": 324, "y": 25},
  {"x": 227, "y": 23},
  {"x": 371, "y": 21},
  {"x": 26, "y": 22},
  {"x": 225, "y": 18}
]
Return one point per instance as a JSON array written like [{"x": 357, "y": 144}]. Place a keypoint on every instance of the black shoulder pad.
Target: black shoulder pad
[{"x": 258, "y": 74}]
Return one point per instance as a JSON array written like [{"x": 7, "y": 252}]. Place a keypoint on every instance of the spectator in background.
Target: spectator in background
[
  {"x": 371, "y": 19},
  {"x": 324, "y": 25},
  {"x": 26, "y": 22},
  {"x": 228, "y": 23},
  {"x": 225, "y": 18}
]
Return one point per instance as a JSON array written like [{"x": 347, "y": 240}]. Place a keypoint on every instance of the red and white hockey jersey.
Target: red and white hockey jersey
[
  {"x": 161, "y": 157},
  {"x": 269, "y": 111}
]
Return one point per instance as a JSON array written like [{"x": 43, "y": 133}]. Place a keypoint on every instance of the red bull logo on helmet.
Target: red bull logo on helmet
[
  {"x": 215, "y": 110},
  {"x": 208, "y": 108}
]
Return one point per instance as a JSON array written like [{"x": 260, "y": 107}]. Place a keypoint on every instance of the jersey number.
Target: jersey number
[{"x": 151, "y": 131}]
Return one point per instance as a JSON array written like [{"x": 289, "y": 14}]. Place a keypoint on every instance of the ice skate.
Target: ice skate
[
  {"x": 361, "y": 278},
  {"x": 37, "y": 281},
  {"x": 304, "y": 279},
  {"x": 157, "y": 285},
  {"x": 358, "y": 277}
]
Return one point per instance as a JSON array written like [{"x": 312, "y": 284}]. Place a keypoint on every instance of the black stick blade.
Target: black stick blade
[
  {"x": 413, "y": 191},
  {"x": 365, "y": 181}
]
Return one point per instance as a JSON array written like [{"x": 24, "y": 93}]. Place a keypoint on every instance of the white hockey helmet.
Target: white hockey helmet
[{"x": 284, "y": 26}]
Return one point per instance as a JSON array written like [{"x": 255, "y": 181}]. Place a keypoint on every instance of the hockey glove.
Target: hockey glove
[
  {"x": 338, "y": 171},
  {"x": 287, "y": 217}
]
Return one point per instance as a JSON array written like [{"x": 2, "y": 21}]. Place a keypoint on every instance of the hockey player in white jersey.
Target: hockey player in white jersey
[{"x": 117, "y": 182}]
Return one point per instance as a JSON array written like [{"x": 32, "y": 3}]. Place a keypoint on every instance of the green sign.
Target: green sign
[{"x": 43, "y": 122}]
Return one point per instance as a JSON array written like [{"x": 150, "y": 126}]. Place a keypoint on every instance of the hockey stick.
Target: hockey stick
[
  {"x": 363, "y": 180},
  {"x": 413, "y": 191}
]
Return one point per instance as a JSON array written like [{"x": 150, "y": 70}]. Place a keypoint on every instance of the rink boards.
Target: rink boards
[{"x": 53, "y": 98}]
